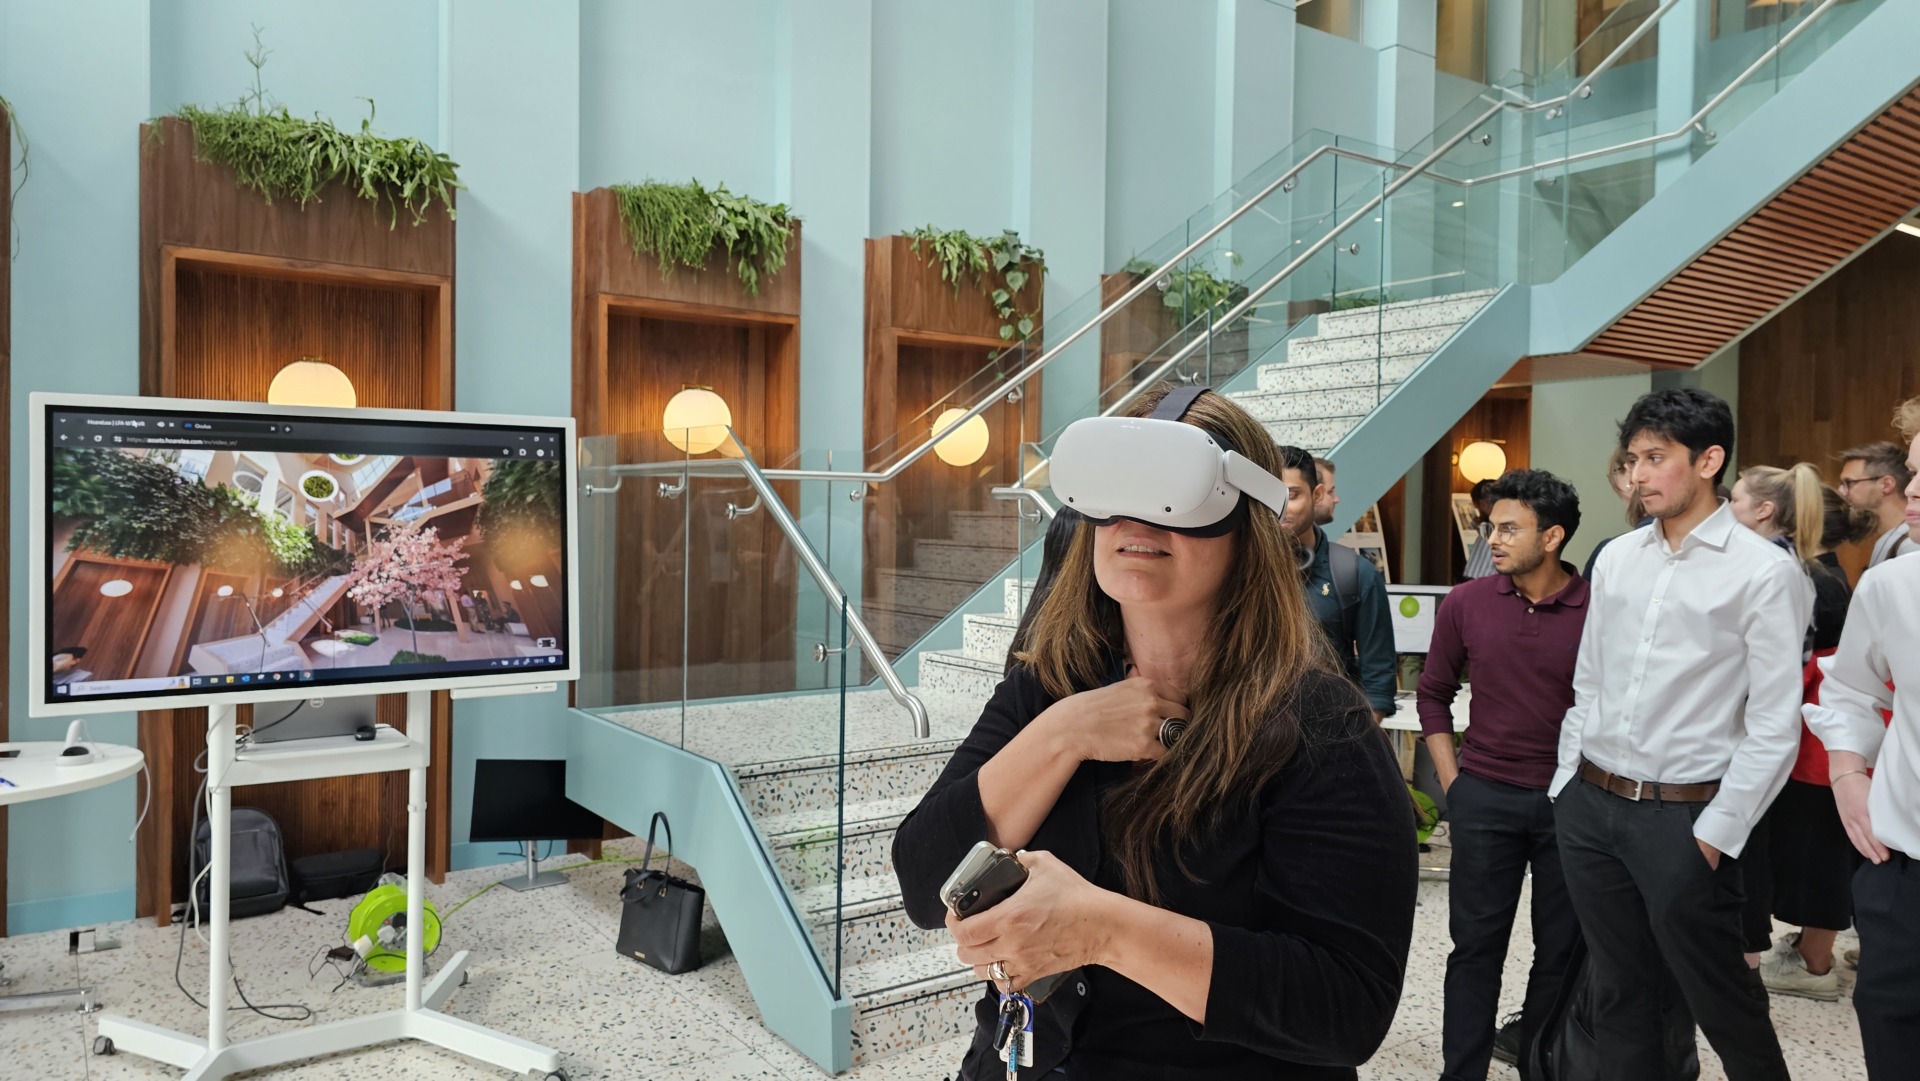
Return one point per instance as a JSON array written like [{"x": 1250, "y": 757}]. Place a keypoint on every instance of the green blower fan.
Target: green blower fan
[{"x": 377, "y": 929}]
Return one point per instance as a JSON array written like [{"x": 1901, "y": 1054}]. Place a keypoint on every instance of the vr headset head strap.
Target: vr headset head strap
[{"x": 1177, "y": 402}]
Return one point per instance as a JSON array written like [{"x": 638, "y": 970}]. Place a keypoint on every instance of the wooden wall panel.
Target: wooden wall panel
[
  {"x": 231, "y": 290},
  {"x": 6, "y": 440},
  {"x": 1819, "y": 222},
  {"x": 1503, "y": 414},
  {"x": 1825, "y": 373},
  {"x": 639, "y": 337}
]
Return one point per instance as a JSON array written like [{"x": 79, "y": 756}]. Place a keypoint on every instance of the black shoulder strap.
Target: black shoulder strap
[{"x": 1344, "y": 564}]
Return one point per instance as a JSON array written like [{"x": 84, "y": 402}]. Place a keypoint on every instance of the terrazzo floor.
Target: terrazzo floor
[{"x": 543, "y": 967}]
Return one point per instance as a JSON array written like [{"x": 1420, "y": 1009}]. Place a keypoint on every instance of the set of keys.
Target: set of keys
[{"x": 1013, "y": 1037}]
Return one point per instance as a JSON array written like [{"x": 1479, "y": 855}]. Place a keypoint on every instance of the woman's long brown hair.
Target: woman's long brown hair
[{"x": 1244, "y": 727}]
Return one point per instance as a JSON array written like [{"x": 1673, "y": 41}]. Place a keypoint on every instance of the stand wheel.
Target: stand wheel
[
  {"x": 557, "y": 1075},
  {"x": 466, "y": 978},
  {"x": 102, "y": 1045}
]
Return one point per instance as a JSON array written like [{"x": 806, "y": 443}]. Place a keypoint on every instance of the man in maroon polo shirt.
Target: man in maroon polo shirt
[{"x": 1519, "y": 629}]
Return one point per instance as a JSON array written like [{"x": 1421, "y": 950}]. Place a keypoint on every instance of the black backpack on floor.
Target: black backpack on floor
[
  {"x": 260, "y": 883},
  {"x": 1566, "y": 1048}
]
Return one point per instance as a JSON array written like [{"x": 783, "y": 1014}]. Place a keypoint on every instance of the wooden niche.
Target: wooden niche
[
  {"x": 231, "y": 290},
  {"x": 1135, "y": 341},
  {"x": 935, "y": 533},
  {"x": 1504, "y": 415},
  {"x": 640, "y": 337}
]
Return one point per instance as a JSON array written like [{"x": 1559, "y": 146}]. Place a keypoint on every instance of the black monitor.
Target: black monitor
[{"x": 526, "y": 800}]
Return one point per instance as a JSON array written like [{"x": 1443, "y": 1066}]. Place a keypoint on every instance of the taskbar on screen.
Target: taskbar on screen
[{"x": 311, "y": 677}]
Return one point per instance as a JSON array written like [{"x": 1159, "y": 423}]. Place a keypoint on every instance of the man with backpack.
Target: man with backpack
[{"x": 1345, "y": 591}]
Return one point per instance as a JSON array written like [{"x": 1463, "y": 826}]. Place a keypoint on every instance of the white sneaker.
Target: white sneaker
[
  {"x": 1852, "y": 957},
  {"x": 1787, "y": 943},
  {"x": 1786, "y": 974}
]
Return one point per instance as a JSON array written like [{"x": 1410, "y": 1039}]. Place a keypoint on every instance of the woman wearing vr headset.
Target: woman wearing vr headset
[{"x": 1238, "y": 897}]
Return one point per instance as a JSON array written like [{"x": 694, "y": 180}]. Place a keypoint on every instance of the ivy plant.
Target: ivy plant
[
  {"x": 1362, "y": 300},
  {"x": 1194, "y": 291},
  {"x": 961, "y": 254},
  {"x": 19, "y": 136},
  {"x": 682, "y": 224},
  {"x": 284, "y": 156}
]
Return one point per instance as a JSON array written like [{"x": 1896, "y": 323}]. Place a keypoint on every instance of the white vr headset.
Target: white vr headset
[{"x": 1159, "y": 471}]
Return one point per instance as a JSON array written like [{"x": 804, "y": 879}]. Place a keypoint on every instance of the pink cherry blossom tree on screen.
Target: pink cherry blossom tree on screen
[{"x": 410, "y": 559}]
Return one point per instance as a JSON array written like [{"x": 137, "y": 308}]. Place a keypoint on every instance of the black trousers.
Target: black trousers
[
  {"x": 1498, "y": 830},
  {"x": 1656, "y": 916},
  {"x": 1886, "y": 906}
]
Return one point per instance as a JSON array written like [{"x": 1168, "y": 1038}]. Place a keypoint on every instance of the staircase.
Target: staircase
[
  {"x": 276, "y": 647},
  {"x": 905, "y": 985},
  {"x": 1326, "y": 383},
  {"x": 943, "y": 573}
]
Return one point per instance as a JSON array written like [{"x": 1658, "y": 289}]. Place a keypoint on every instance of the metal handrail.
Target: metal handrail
[
  {"x": 1386, "y": 193},
  {"x": 777, "y": 510},
  {"x": 1039, "y": 501},
  {"x": 1107, "y": 311}
]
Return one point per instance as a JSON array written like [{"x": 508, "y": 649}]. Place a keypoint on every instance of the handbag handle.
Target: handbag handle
[{"x": 659, "y": 819}]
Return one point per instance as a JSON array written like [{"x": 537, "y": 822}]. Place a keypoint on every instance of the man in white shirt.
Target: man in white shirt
[
  {"x": 1684, "y": 727},
  {"x": 1875, "y": 770},
  {"x": 1874, "y": 477}
]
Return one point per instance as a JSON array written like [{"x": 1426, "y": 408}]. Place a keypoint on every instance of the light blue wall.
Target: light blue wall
[
  {"x": 1093, "y": 126},
  {"x": 518, "y": 142},
  {"x": 312, "y": 65},
  {"x": 77, "y": 78},
  {"x": 944, "y": 126},
  {"x": 656, "y": 103}
]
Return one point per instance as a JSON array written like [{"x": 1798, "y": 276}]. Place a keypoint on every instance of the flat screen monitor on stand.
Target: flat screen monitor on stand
[
  {"x": 196, "y": 553},
  {"x": 526, "y": 802}
]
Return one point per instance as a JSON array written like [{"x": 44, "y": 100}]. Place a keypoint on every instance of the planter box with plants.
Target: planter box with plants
[
  {"x": 936, "y": 283},
  {"x": 1148, "y": 328},
  {"x": 688, "y": 244}
]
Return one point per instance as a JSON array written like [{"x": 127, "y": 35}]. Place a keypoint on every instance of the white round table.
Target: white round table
[{"x": 35, "y": 773}]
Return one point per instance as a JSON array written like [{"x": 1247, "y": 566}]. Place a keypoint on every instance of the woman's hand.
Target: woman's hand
[
  {"x": 1052, "y": 923},
  {"x": 1116, "y": 723}
]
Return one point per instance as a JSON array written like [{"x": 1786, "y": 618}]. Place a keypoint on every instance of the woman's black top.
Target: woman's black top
[
  {"x": 1831, "y": 596},
  {"x": 1309, "y": 890}
]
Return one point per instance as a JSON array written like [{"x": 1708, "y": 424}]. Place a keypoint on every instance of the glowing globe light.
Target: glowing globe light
[
  {"x": 308, "y": 381},
  {"x": 965, "y": 446},
  {"x": 696, "y": 420}
]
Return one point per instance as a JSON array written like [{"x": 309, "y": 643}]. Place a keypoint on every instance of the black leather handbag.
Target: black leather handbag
[{"x": 660, "y": 914}]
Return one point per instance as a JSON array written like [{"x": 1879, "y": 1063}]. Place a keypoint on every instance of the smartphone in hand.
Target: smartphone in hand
[{"x": 987, "y": 876}]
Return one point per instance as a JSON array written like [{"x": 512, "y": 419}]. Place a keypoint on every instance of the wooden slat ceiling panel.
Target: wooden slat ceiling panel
[{"x": 1853, "y": 195}]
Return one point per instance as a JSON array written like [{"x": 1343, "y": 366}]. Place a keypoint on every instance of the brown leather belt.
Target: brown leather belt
[{"x": 1653, "y": 790}]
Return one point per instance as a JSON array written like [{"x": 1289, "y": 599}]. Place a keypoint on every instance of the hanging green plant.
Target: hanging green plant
[
  {"x": 959, "y": 253},
  {"x": 1193, "y": 292},
  {"x": 682, "y": 224},
  {"x": 283, "y": 156}
]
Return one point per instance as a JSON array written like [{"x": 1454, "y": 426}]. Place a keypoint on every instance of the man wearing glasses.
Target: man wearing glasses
[
  {"x": 1519, "y": 628},
  {"x": 1875, "y": 477}
]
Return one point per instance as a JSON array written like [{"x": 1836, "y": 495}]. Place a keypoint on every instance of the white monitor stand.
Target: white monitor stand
[{"x": 419, "y": 1018}]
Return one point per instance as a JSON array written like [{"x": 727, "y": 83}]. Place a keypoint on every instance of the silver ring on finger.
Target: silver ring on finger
[
  {"x": 1171, "y": 730},
  {"x": 998, "y": 970}
]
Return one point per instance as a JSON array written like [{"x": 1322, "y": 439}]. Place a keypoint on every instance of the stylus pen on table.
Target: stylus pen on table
[{"x": 8, "y": 783}]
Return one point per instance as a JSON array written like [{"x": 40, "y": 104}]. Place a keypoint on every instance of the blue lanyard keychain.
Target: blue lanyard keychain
[{"x": 1013, "y": 1039}]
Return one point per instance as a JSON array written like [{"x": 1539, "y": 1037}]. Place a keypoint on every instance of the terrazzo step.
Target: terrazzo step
[
  {"x": 896, "y": 631},
  {"x": 960, "y": 676},
  {"x": 807, "y": 846},
  {"x": 1312, "y": 404},
  {"x": 988, "y": 638},
  {"x": 1407, "y": 314},
  {"x": 1314, "y": 436},
  {"x": 1286, "y": 377},
  {"x": 1323, "y": 349},
  {"x": 919, "y": 589},
  {"x": 873, "y": 925},
  {"x": 814, "y": 786},
  {"x": 987, "y": 528},
  {"x": 909, "y": 1000},
  {"x": 1014, "y": 593},
  {"x": 953, "y": 560}
]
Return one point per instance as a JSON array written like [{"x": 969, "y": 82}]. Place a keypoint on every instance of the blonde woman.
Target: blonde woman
[{"x": 1240, "y": 905}]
